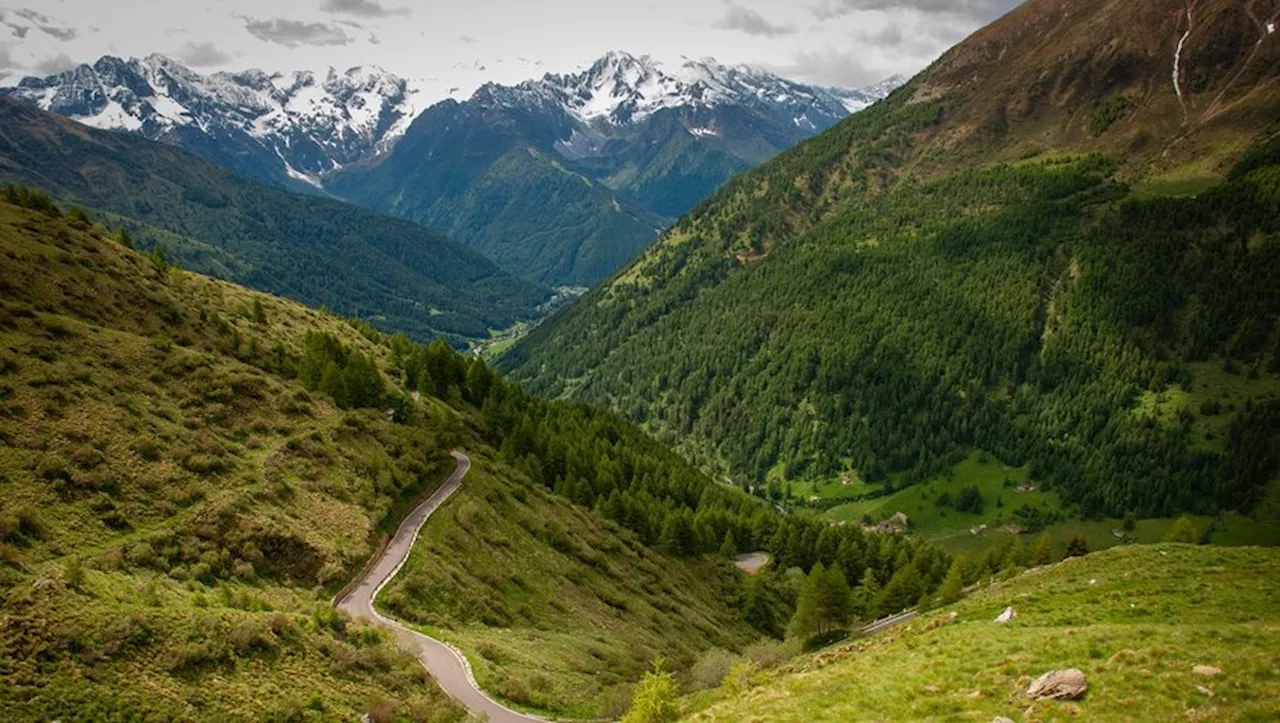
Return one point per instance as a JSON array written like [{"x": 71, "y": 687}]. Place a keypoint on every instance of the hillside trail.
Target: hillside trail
[{"x": 445, "y": 662}]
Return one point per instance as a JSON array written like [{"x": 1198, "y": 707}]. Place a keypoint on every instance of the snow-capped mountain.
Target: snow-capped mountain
[
  {"x": 274, "y": 127},
  {"x": 565, "y": 177},
  {"x": 560, "y": 179},
  {"x": 621, "y": 89}
]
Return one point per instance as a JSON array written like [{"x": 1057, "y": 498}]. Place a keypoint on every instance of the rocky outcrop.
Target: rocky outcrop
[{"x": 1067, "y": 684}]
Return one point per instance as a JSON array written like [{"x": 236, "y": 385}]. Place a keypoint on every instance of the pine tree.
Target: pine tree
[
  {"x": 1016, "y": 555},
  {"x": 1042, "y": 554},
  {"x": 836, "y": 602},
  {"x": 804, "y": 624},
  {"x": 331, "y": 383},
  {"x": 729, "y": 548},
  {"x": 904, "y": 589},
  {"x": 1078, "y": 545},
  {"x": 677, "y": 534},
  {"x": 479, "y": 380},
  {"x": 1130, "y": 520},
  {"x": 756, "y": 609},
  {"x": 953, "y": 585},
  {"x": 1183, "y": 530},
  {"x": 868, "y": 590}
]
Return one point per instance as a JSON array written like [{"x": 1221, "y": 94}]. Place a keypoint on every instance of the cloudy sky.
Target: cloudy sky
[{"x": 461, "y": 43}]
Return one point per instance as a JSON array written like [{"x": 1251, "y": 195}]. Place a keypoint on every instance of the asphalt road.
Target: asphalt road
[
  {"x": 445, "y": 663},
  {"x": 751, "y": 563}
]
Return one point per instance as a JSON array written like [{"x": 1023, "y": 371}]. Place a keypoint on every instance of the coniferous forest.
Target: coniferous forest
[{"x": 1026, "y": 309}]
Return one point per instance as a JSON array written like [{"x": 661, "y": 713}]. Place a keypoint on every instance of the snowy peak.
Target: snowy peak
[
  {"x": 622, "y": 89},
  {"x": 309, "y": 124}
]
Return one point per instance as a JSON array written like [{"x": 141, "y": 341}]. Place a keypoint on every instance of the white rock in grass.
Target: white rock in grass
[{"x": 1008, "y": 614}]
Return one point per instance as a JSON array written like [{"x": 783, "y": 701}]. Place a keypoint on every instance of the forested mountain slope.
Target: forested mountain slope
[
  {"x": 949, "y": 270},
  {"x": 395, "y": 274},
  {"x": 189, "y": 470}
]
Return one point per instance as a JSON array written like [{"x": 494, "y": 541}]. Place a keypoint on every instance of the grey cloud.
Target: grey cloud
[
  {"x": 55, "y": 64},
  {"x": 923, "y": 39},
  {"x": 467, "y": 39},
  {"x": 292, "y": 33},
  {"x": 831, "y": 67},
  {"x": 751, "y": 22},
  {"x": 202, "y": 54},
  {"x": 46, "y": 25},
  {"x": 977, "y": 9},
  {"x": 6, "y": 60},
  {"x": 362, "y": 8}
]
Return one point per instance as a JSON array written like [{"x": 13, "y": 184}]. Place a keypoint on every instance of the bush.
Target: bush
[
  {"x": 712, "y": 667},
  {"x": 655, "y": 699}
]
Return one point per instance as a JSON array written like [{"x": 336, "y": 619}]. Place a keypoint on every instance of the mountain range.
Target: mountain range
[
  {"x": 286, "y": 130},
  {"x": 390, "y": 272},
  {"x": 559, "y": 180},
  {"x": 563, "y": 179}
]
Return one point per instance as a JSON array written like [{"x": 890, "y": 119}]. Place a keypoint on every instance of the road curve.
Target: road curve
[
  {"x": 752, "y": 563},
  {"x": 445, "y": 662},
  {"x": 885, "y": 623}
]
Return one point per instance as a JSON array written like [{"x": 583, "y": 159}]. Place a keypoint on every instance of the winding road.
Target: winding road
[{"x": 445, "y": 662}]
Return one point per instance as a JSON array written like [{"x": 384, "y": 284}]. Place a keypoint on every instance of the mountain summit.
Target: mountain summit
[
  {"x": 284, "y": 129},
  {"x": 564, "y": 178}
]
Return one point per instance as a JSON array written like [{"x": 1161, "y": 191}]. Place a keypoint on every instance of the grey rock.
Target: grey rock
[{"x": 1067, "y": 684}]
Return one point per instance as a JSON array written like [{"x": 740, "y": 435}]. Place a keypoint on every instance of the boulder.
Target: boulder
[
  {"x": 1067, "y": 684},
  {"x": 1207, "y": 671},
  {"x": 1008, "y": 614},
  {"x": 1001, "y": 719}
]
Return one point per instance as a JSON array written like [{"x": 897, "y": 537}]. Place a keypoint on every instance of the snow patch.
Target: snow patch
[{"x": 113, "y": 116}]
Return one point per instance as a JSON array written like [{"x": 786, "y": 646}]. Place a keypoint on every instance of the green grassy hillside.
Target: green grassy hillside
[
  {"x": 1135, "y": 620},
  {"x": 559, "y": 609},
  {"x": 173, "y": 506},
  {"x": 397, "y": 275},
  {"x": 969, "y": 266},
  {"x": 189, "y": 471}
]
